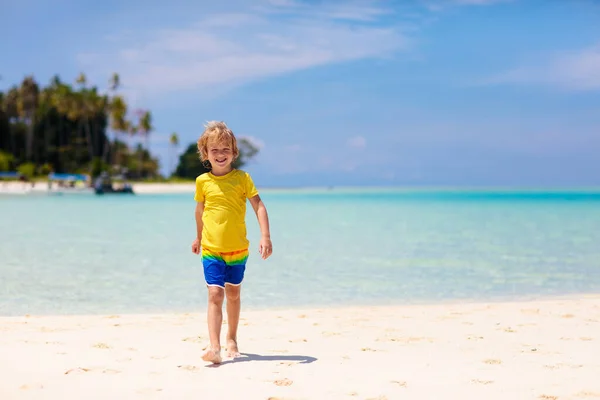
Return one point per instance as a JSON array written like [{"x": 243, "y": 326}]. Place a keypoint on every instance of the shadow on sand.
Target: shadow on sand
[{"x": 257, "y": 357}]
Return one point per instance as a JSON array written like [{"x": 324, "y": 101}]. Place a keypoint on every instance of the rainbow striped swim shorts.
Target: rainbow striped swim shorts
[{"x": 224, "y": 268}]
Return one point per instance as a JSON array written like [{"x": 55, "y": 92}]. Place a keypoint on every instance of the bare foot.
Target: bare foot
[
  {"x": 213, "y": 356},
  {"x": 232, "y": 349}
]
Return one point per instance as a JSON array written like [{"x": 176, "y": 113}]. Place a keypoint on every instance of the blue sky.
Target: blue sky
[{"x": 356, "y": 92}]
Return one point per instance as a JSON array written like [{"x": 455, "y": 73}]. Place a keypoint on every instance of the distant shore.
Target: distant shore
[
  {"x": 138, "y": 187},
  {"x": 514, "y": 350},
  {"x": 40, "y": 186}
]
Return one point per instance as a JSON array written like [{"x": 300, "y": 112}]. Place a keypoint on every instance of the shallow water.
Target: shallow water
[{"x": 131, "y": 254}]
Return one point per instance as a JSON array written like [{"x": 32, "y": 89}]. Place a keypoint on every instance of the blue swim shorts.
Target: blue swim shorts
[{"x": 224, "y": 268}]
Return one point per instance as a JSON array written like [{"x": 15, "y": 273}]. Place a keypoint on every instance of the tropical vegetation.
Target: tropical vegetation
[
  {"x": 65, "y": 128},
  {"x": 77, "y": 128}
]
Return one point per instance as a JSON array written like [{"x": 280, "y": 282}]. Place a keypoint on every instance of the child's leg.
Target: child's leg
[
  {"x": 214, "y": 274},
  {"x": 215, "y": 320},
  {"x": 234, "y": 275},
  {"x": 232, "y": 292}
]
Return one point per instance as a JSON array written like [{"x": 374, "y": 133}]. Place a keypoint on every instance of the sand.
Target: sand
[
  {"x": 521, "y": 350},
  {"x": 20, "y": 188}
]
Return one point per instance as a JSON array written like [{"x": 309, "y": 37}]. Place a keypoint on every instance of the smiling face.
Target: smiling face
[{"x": 220, "y": 156}]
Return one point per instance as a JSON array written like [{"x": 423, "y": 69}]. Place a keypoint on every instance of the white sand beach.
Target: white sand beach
[
  {"x": 20, "y": 188},
  {"x": 520, "y": 350}
]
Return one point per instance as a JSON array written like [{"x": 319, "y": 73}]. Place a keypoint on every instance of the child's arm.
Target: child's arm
[
  {"x": 199, "y": 227},
  {"x": 265, "y": 247}
]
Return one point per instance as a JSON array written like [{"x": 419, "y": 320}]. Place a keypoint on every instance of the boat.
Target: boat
[{"x": 104, "y": 185}]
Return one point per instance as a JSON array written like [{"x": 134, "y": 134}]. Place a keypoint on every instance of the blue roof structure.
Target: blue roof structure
[
  {"x": 9, "y": 174},
  {"x": 67, "y": 177}
]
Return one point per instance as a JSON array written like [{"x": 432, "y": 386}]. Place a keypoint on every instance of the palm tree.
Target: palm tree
[
  {"x": 144, "y": 128},
  {"x": 60, "y": 100},
  {"x": 174, "y": 142},
  {"x": 11, "y": 109},
  {"x": 28, "y": 102},
  {"x": 115, "y": 82},
  {"x": 118, "y": 122}
]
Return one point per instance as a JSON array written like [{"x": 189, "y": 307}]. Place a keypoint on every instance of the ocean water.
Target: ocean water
[{"x": 87, "y": 254}]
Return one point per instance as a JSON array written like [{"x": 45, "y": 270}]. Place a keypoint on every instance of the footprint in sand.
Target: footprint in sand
[
  {"x": 481, "y": 382},
  {"x": 492, "y": 361},
  {"x": 193, "y": 339},
  {"x": 188, "y": 367},
  {"x": 77, "y": 370},
  {"x": 561, "y": 365},
  {"x": 588, "y": 394},
  {"x": 31, "y": 386},
  {"x": 283, "y": 382},
  {"x": 111, "y": 371},
  {"x": 287, "y": 363},
  {"x": 474, "y": 337},
  {"x": 405, "y": 340}
]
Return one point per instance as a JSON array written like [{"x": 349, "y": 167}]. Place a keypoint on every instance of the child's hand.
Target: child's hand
[
  {"x": 265, "y": 248},
  {"x": 196, "y": 246}
]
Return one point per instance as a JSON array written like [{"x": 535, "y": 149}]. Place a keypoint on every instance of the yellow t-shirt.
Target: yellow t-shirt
[{"x": 224, "y": 216}]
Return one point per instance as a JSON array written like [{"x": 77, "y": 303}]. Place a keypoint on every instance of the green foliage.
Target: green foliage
[
  {"x": 27, "y": 170},
  {"x": 190, "y": 165},
  {"x": 6, "y": 161},
  {"x": 45, "y": 169},
  {"x": 66, "y": 127},
  {"x": 247, "y": 152},
  {"x": 99, "y": 166}
]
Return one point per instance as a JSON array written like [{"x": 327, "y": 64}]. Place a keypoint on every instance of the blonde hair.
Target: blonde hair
[{"x": 216, "y": 131}]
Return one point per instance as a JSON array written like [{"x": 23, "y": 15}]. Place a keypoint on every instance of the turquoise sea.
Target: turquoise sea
[{"x": 131, "y": 254}]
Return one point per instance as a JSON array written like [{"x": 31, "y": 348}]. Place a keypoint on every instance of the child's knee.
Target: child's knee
[
  {"x": 215, "y": 294},
  {"x": 232, "y": 292}
]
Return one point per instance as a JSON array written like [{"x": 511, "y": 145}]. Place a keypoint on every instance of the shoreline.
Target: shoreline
[
  {"x": 201, "y": 306},
  {"x": 41, "y": 187},
  {"x": 539, "y": 349}
]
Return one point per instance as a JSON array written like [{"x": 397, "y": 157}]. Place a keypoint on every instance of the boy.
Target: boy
[{"x": 221, "y": 232}]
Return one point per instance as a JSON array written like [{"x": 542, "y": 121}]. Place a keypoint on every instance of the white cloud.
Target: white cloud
[
  {"x": 276, "y": 38},
  {"x": 575, "y": 70},
  {"x": 357, "y": 142}
]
